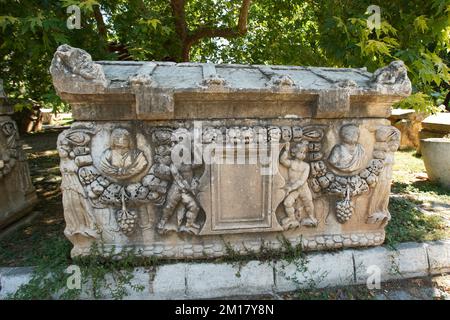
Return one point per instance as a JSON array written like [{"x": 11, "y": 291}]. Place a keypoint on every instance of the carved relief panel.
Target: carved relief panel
[{"x": 234, "y": 180}]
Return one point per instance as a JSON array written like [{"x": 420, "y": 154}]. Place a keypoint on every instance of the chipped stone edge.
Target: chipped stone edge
[{"x": 324, "y": 269}]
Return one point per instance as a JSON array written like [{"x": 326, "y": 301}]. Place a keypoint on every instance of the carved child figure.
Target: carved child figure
[
  {"x": 297, "y": 186},
  {"x": 182, "y": 191}
]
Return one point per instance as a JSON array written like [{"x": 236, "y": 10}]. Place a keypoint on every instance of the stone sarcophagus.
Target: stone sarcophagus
[
  {"x": 17, "y": 194},
  {"x": 184, "y": 160}
]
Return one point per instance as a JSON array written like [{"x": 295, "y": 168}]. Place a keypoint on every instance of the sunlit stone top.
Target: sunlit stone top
[{"x": 167, "y": 90}]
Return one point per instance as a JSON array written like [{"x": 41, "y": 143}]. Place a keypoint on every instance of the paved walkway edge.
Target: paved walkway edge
[{"x": 319, "y": 270}]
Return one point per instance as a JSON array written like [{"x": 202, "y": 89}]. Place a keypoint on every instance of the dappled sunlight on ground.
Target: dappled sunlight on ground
[{"x": 430, "y": 200}]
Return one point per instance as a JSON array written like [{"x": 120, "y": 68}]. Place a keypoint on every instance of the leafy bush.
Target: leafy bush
[{"x": 420, "y": 102}]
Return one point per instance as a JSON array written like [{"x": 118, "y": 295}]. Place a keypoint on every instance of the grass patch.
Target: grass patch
[
  {"x": 409, "y": 178},
  {"x": 410, "y": 224},
  {"x": 336, "y": 293}
]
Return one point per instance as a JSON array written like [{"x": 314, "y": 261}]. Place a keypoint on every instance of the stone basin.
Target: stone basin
[
  {"x": 436, "y": 156},
  {"x": 435, "y": 126},
  {"x": 188, "y": 160}
]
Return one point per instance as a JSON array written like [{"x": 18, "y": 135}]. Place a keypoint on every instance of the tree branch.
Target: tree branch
[
  {"x": 100, "y": 22},
  {"x": 103, "y": 32},
  {"x": 179, "y": 15},
  {"x": 191, "y": 38}
]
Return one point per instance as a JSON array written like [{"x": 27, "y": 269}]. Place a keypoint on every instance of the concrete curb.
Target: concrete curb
[{"x": 319, "y": 270}]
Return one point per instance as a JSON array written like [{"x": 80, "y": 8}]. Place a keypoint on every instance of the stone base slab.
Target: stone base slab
[{"x": 317, "y": 270}]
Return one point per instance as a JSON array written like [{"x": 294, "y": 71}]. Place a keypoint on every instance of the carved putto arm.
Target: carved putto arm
[{"x": 284, "y": 158}]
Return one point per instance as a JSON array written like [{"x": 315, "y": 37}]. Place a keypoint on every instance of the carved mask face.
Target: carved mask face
[
  {"x": 233, "y": 135},
  {"x": 248, "y": 135},
  {"x": 274, "y": 134},
  {"x": 209, "y": 135},
  {"x": 181, "y": 136},
  {"x": 286, "y": 133},
  {"x": 297, "y": 133}
]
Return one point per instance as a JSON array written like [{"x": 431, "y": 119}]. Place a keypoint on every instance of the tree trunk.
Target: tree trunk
[
  {"x": 101, "y": 27},
  {"x": 188, "y": 39}
]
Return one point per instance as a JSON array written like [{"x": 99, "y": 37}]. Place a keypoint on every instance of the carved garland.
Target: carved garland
[
  {"x": 102, "y": 191},
  {"x": 153, "y": 187},
  {"x": 348, "y": 187}
]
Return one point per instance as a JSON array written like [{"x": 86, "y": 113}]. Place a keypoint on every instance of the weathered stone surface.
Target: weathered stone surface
[
  {"x": 169, "y": 281},
  {"x": 17, "y": 194},
  {"x": 439, "y": 122},
  {"x": 400, "y": 114},
  {"x": 439, "y": 256},
  {"x": 315, "y": 271},
  {"x": 225, "y": 155},
  {"x": 408, "y": 260},
  {"x": 256, "y": 278},
  {"x": 226, "y": 279},
  {"x": 12, "y": 278},
  {"x": 166, "y": 90},
  {"x": 434, "y": 126},
  {"x": 435, "y": 154}
]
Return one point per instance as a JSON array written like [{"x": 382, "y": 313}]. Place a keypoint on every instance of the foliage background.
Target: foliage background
[{"x": 293, "y": 32}]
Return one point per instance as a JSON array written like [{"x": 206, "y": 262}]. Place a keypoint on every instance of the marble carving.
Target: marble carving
[
  {"x": 17, "y": 194},
  {"x": 154, "y": 163}
]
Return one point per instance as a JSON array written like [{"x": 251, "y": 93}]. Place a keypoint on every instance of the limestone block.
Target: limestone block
[
  {"x": 408, "y": 260},
  {"x": 400, "y": 114},
  {"x": 439, "y": 122},
  {"x": 408, "y": 121},
  {"x": 439, "y": 256},
  {"x": 169, "y": 282},
  {"x": 315, "y": 271},
  {"x": 226, "y": 279},
  {"x": 11, "y": 279}
]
